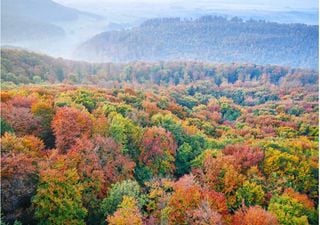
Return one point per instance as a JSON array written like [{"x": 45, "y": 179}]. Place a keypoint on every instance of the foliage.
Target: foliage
[
  {"x": 5, "y": 127},
  {"x": 69, "y": 124},
  {"x": 160, "y": 149},
  {"x": 221, "y": 174},
  {"x": 184, "y": 156},
  {"x": 250, "y": 194},
  {"x": 293, "y": 208},
  {"x": 116, "y": 194},
  {"x": 245, "y": 156},
  {"x": 125, "y": 133},
  {"x": 190, "y": 202},
  {"x": 127, "y": 213},
  {"x": 44, "y": 112},
  {"x": 17, "y": 69},
  {"x": 254, "y": 215},
  {"x": 59, "y": 187}
]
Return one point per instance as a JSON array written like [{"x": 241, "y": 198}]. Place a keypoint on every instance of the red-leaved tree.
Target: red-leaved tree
[
  {"x": 158, "y": 149},
  {"x": 69, "y": 124}
]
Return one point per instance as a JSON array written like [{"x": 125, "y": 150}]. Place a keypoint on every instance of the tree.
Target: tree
[
  {"x": 250, "y": 194},
  {"x": 293, "y": 170},
  {"x": 29, "y": 145},
  {"x": 221, "y": 174},
  {"x": 20, "y": 119},
  {"x": 127, "y": 213},
  {"x": 158, "y": 149},
  {"x": 58, "y": 196},
  {"x": 125, "y": 133},
  {"x": 5, "y": 127},
  {"x": 190, "y": 203},
  {"x": 91, "y": 176},
  {"x": 115, "y": 165},
  {"x": 158, "y": 192},
  {"x": 60, "y": 74},
  {"x": 198, "y": 144},
  {"x": 183, "y": 159},
  {"x": 293, "y": 208},
  {"x": 19, "y": 179},
  {"x": 99, "y": 163},
  {"x": 85, "y": 98},
  {"x": 171, "y": 124},
  {"x": 116, "y": 194},
  {"x": 43, "y": 111},
  {"x": 69, "y": 124},
  {"x": 254, "y": 215},
  {"x": 229, "y": 113},
  {"x": 186, "y": 196},
  {"x": 204, "y": 215},
  {"x": 245, "y": 156}
]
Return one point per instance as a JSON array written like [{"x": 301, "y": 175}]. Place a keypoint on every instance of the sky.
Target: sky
[
  {"x": 135, "y": 11},
  {"x": 279, "y": 4}
]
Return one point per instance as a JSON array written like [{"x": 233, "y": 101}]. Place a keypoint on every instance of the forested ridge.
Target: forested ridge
[
  {"x": 157, "y": 143},
  {"x": 208, "y": 38},
  {"x": 23, "y": 67}
]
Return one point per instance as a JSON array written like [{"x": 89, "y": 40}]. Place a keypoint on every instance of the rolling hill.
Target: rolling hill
[
  {"x": 23, "y": 67},
  {"x": 208, "y": 38}
]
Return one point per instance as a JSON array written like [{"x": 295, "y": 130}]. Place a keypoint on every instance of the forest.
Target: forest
[
  {"x": 157, "y": 143},
  {"x": 23, "y": 67},
  {"x": 208, "y": 38}
]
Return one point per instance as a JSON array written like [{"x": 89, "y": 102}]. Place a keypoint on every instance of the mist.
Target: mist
[
  {"x": 60, "y": 37},
  {"x": 256, "y": 4}
]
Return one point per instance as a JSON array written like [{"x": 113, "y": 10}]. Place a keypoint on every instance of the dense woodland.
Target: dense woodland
[
  {"x": 208, "y": 38},
  {"x": 23, "y": 67},
  {"x": 157, "y": 143}
]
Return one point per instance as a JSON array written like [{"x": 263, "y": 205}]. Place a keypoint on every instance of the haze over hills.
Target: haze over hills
[
  {"x": 74, "y": 29},
  {"x": 183, "y": 112},
  {"x": 282, "y": 11},
  {"x": 208, "y": 38},
  {"x": 36, "y": 24}
]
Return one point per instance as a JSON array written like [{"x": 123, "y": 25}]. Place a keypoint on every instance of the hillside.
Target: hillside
[
  {"x": 20, "y": 29},
  {"x": 43, "y": 10},
  {"x": 208, "y": 38},
  {"x": 30, "y": 21},
  {"x": 159, "y": 112},
  {"x": 143, "y": 143},
  {"x": 23, "y": 67}
]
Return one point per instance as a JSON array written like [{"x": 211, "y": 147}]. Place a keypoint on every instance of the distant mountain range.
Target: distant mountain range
[
  {"x": 128, "y": 11},
  {"x": 34, "y": 20},
  {"x": 208, "y": 38},
  {"x": 49, "y": 27}
]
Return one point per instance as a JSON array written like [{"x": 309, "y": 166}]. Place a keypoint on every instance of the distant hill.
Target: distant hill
[
  {"x": 33, "y": 20},
  {"x": 208, "y": 38},
  {"x": 18, "y": 29},
  {"x": 23, "y": 67}
]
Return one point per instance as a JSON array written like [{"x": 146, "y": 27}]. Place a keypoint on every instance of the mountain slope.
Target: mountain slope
[
  {"x": 208, "y": 38},
  {"x": 18, "y": 29},
  {"x": 33, "y": 20},
  {"x": 44, "y": 10}
]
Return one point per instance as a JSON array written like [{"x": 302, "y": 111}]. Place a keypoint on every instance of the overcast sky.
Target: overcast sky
[{"x": 280, "y": 4}]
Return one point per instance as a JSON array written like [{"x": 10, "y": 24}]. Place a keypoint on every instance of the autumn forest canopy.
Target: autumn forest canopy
[{"x": 172, "y": 142}]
